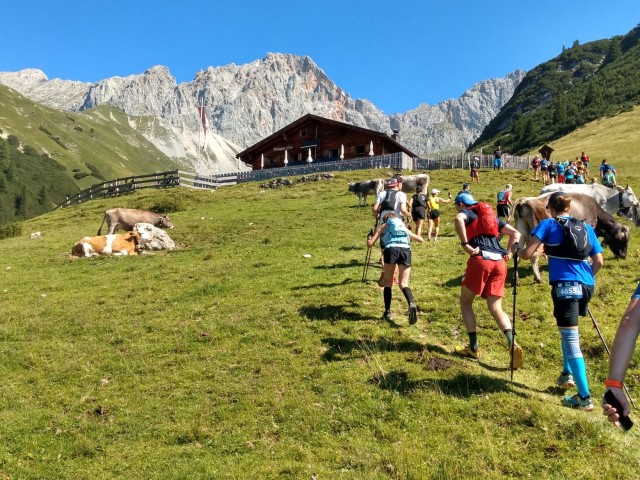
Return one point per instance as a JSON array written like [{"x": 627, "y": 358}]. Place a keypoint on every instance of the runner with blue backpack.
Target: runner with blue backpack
[
  {"x": 575, "y": 256},
  {"x": 396, "y": 238},
  {"x": 544, "y": 168},
  {"x": 504, "y": 201}
]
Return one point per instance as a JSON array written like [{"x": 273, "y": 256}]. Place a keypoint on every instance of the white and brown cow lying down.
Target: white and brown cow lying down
[
  {"x": 115, "y": 244},
  {"x": 528, "y": 212}
]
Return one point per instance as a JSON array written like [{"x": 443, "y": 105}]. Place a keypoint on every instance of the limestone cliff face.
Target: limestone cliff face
[{"x": 248, "y": 102}]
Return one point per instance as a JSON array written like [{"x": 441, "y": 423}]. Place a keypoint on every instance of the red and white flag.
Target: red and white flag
[{"x": 205, "y": 124}]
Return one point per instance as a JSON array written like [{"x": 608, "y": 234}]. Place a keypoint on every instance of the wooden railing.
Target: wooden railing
[
  {"x": 176, "y": 178},
  {"x": 124, "y": 186}
]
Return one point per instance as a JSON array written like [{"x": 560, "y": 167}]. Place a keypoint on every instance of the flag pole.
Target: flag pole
[{"x": 199, "y": 135}]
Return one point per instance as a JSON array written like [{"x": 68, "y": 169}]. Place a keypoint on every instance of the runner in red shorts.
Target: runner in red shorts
[{"x": 478, "y": 228}]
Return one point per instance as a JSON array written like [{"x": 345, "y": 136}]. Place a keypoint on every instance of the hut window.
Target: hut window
[{"x": 303, "y": 132}]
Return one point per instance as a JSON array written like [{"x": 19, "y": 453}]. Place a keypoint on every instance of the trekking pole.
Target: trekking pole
[
  {"x": 595, "y": 325},
  {"x": 513, "y": 315},
  {"x": 367, "y": 258}
]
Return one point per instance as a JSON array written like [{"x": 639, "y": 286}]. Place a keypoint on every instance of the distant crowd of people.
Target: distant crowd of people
[{"x": 547, "y": 171}]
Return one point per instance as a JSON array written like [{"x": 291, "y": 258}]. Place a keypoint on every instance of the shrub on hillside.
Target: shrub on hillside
[
  {"x": 10, "y": 230},
  {"x": 167, "y": 205}
]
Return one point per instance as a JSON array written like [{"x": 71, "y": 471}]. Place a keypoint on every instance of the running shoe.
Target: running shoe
[
  {"x": 578, "y": 403},
  {"x": 413, "y": 313},
  {"x": 565, "y": 380},
  {"x": 467, "y": 352},
  {"x": 518, "y": 357}
]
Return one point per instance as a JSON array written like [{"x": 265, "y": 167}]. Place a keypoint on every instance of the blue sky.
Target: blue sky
[{"x": 396, "y": 53}]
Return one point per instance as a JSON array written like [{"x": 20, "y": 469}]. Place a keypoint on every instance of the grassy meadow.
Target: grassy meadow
[{"x": 239, "y": 356}]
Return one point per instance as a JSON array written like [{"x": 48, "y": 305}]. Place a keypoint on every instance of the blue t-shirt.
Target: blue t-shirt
[{"x": 550, "y": 232}]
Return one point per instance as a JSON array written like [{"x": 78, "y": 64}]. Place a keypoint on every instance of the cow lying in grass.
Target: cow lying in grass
[{"x": 116, "y": 244}]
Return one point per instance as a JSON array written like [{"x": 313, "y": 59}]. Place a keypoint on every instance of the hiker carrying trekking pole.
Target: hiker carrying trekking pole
[
  {"x": 570, "y": 244},
  {"x": 478, "y": 227},
  {"x": 367, "y": 259},
  {"x": 392, "y": 199},
  {"x": 513, "y": 314},
  {"x": 396, "y": 237}
]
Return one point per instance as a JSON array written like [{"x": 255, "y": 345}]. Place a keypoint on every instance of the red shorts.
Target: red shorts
[{"x": 485, "y": 278}]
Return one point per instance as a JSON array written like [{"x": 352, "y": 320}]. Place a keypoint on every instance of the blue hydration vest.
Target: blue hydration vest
[{"x": 396, "y": 234}]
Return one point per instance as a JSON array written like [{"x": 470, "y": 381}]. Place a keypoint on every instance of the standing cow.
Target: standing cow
[
  {"x": 528, "y": 212},
  {"x": 126, "y": 218},
  {"x": 612, "y": 199},
  {"x": 368, "y": 187},
  {"x": 410, "y": 182}
]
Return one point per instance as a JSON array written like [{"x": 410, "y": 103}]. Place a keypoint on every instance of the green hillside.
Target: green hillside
[
  {"x": 614, "y": 138},
  {"x": 30, "y": 183},
  {"x": 254, "y": 351},
  {"x": 92, "y": 146},
  {"x": 582, "y": 84}
]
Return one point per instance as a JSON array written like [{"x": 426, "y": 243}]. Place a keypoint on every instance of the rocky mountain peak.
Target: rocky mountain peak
[{"x": 245, "y": 103}]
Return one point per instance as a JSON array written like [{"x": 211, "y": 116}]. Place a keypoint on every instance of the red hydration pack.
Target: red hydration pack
[{"x": 485, "y": 224}]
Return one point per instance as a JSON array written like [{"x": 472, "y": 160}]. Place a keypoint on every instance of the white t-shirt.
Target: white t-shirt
[{"x": 401, "y": 198}]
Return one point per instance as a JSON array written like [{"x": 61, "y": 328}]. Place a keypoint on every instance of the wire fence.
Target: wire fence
[{"x": 179, "y": 178}]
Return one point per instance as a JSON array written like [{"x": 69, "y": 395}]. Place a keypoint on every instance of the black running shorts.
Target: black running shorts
[
  {"x": 397, "y": 256},
  {"x": 566, "y": 312}
]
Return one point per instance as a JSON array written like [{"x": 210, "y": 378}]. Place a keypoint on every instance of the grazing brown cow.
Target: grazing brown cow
[
  {"x": 126, "y": 218},
  {"x": 119, "y": 244},
  {"x": 528, "y": 212}
]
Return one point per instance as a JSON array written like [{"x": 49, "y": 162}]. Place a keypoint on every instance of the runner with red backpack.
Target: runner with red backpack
[{"x": 478, "y": 228}]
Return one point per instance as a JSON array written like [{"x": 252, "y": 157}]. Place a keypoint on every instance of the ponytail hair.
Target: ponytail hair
[{"x": 560, "y": 202}]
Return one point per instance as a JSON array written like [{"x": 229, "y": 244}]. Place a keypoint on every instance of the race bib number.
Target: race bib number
[
  {"x": 568, "y": 290},
  {"x": 491, "y": 256}
]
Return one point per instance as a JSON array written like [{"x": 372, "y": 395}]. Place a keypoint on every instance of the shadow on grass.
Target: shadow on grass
[
  {"x": 346, "y": 281},
  {"x": 354, "y": 247},
  {"x": 351, "y": 263},
  {"x": 331, "y": 313},
  {"x": 463, "y": 385},
  {"x": 454, "y": 282},
  {"x": 344, "y": 348}
]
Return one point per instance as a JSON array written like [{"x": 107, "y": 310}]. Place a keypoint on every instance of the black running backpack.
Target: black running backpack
[{"x": 575, "y": 244}]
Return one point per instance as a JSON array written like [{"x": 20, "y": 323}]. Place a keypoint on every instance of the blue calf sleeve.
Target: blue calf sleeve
[{"x": 571, "y": 350}]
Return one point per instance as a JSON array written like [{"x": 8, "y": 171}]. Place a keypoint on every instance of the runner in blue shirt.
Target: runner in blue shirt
[{"x": 571, "y": 276}]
